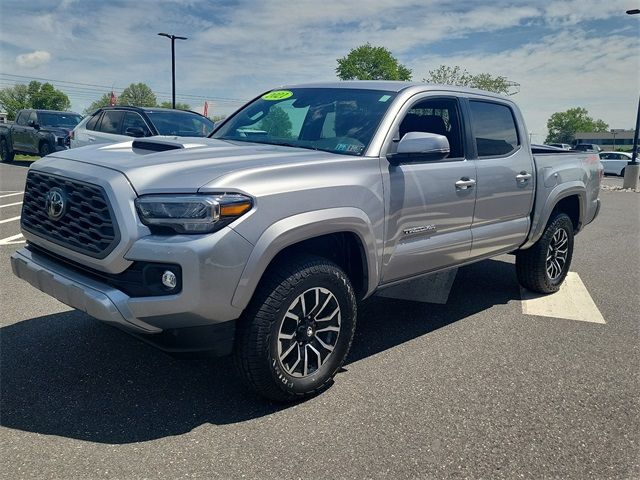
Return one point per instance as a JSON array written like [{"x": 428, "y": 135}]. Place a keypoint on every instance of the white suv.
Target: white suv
[{"x": 119, "y": 124}]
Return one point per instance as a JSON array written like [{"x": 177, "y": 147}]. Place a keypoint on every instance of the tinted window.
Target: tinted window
[
  {"x": 133, "y": 120},
  {"x": 179, "y": 123},
  {"x": 438, "y": 116},
  {"x": 111, "y": 121},
  {"x": 91, "y": 124},
  {"x": 22, "y": 118},
  {"x": 66, "y": 120},
  {"x": 494, "y": 128}
]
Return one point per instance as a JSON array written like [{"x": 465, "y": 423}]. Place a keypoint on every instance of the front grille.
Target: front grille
[{"x": 86, "y": 225}]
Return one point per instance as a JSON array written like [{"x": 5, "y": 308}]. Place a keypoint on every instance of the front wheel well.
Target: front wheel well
[{"x": 345, "y": 249}]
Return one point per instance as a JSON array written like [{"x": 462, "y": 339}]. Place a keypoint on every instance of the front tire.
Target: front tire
[
  {"x": 543, "y": 267},
  {"x": 297, "y": 331},
  {"x": 45, "y": 149},
  {"x": 5, "y": 155}
]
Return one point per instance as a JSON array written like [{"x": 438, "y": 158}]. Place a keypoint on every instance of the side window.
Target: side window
[
  {"x": 22, "y": 118},
  {"x": 436, "y": 115},
  {"x": 133, "y": 120},
  {"x": 33, "y": 117},
  {"x": 111, "y": 122},
  {"x": 494, "y": 128},
  {"x": 93, "y": 121}
]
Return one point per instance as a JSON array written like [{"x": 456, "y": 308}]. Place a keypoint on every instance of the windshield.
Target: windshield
[
  {"x": 182, "y": 124},
  {"x": 338, "y": 120},
  {"x": 65, "y": 120}
]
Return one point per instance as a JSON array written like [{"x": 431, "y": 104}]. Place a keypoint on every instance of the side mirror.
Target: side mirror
[
  {"x": 420, "y": 147},
  {"x": 134, "y": 132},
  {"x": 34, "y": 124}
]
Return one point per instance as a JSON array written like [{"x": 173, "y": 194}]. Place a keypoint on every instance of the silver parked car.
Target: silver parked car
[
  {"x": 119, "y": 124},
  {"x": 614, "y": 162}
]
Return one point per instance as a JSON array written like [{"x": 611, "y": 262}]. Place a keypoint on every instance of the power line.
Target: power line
[{"x": 109, "y": 88}]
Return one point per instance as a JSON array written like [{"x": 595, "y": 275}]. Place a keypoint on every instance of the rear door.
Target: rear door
[
  {"x": 505, "y": 177},
  {"x": 109, "y": 128}
]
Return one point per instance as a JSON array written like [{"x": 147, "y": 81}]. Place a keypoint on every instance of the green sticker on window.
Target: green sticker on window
[
  {"x": 277, "y": 95},
  {"x": 384, "y": 98}
]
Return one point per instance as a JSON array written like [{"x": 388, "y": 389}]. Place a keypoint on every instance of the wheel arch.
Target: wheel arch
[
  {"x": 569, "y": 198},
  {"x": 342, "y": 235}
]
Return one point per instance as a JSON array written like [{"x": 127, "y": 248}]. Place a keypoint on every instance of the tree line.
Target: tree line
[{"x": 366, "y": 62}]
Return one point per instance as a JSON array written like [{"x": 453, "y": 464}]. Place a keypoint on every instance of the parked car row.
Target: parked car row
[{"x": 41, "y": 132}]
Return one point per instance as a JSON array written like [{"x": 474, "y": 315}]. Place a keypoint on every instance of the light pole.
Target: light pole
[
  {"x": 632, "y": 170},
  {"x": 173, "y": 64}
]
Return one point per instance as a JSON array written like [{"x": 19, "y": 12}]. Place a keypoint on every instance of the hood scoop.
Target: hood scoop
[{"x": 156, "y": 145}]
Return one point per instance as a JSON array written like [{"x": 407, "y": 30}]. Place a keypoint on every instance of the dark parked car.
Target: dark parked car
[
  {"x": 587, "y": 147},
  {"x": 37, "y": 132},
  {"x": 119, "y": 124}
]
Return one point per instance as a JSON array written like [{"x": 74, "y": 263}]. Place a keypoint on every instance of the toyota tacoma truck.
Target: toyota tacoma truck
[
  {"x": 261, "y": 240},
  {"x": 37, "y": 132}
]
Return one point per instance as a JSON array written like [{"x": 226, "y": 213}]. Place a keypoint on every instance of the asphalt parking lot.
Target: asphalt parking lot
[{"x": 473, "y": 388}]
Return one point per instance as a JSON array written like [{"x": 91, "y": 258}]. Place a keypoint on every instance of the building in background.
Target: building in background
[
  {"x": 615, "y": 139},
  {"x": 3, "y": 117}
]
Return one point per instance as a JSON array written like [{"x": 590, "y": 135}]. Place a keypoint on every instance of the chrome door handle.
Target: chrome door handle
[
  {"x": 465, "y": 183},
  {"x": 523, "y": 177}
]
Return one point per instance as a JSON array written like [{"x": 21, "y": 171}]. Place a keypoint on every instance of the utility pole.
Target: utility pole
[{"x": 173, "y": 64}]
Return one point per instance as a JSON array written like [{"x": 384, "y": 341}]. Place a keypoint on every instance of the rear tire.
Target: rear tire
[
  {"x": 297, "y": 330},
  {"x": 543, "y": 267},
  {"x": 5, "y": 155},
  {"x": 45, "y": 149},
  {"x": 622, "y": 172}
]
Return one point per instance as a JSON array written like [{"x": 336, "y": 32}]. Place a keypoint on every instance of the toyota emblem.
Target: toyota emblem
[{"x": 55, "y": 203}]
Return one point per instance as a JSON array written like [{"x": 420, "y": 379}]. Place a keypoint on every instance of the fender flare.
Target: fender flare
[
  {"x": 305, "y": 226},
  {"x": 560, "y": 192}
]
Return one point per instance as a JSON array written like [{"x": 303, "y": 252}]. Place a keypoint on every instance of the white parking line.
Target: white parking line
[
  {"x": 13, "y": 240},
  {"x": 571, "y": 302},
  {"x": 12, "y": 219},
  {"x": 11, "y": 204},
  {"x": 11, "y": 194}
]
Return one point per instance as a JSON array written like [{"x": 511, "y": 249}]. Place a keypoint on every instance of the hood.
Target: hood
[
  {"x": 59, "y": 131},
  {"x": 186, "y": 164}
]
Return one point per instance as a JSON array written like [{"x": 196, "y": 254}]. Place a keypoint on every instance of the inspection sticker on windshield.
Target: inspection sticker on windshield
[
  {"x": 277, "y": 95},
  {"x": 384, "y": 98}
]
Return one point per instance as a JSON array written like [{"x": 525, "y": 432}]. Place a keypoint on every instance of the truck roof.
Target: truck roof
[{"x": 390, "y": 85}]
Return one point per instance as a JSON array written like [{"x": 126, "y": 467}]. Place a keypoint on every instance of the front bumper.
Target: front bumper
[{"x": 201, "y": 311}]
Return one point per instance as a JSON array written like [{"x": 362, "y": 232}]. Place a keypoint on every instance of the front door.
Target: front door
[{"x": 429, "y": 205}]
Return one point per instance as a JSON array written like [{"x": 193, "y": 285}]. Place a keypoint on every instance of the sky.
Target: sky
[{"x": 563, "y": 53}]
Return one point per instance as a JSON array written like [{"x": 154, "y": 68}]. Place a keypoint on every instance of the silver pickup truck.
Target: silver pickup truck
[{"x": 262, "y": 239}]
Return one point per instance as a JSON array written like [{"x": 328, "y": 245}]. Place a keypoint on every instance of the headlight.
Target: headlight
[{"x": 191, "y": 213}]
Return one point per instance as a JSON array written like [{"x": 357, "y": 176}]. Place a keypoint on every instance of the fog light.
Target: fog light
[{"x": 169, "y": 279}]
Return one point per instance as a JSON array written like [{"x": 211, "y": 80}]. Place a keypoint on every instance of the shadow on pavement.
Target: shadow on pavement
[{"x": 71, "y": 376}]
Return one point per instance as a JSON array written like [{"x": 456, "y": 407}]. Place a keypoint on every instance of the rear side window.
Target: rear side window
[
  {"x": 494, "y": 128},
  {"x": 22, "y": 118},
  {"x": 133, "y": 120},
  {"x": 91, "y": 124},
  {"x": 111, "y": 122}
]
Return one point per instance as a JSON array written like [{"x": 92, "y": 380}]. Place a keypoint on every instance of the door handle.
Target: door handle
[
  {"x": 91, "y": 139},
  {"x": 523, "y": 177},
  {"x": 465, "y": 183}
]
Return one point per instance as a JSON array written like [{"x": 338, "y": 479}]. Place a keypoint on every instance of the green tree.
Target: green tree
[
  {"x": 13, "y": 99},
  {"x": 460, "y": 77},
  {"x": 371, "y": 63},
  {"x": 179, "y": 106},
  {"x": 45, "y": 96},
  {"x": 33, "y": 95},
  {"x": 563, "y": 126},
  {"x": 103, "y": 101},
  {"x": 139, "y": 95},
  {"x": 276, "y": 123}
]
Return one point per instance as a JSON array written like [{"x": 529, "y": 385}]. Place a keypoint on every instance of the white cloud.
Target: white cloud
[{"x": 33, "y": 59}]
